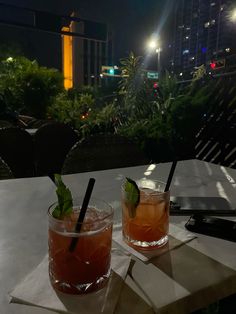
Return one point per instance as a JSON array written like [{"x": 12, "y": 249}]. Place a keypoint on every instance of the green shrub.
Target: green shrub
[
  {"x": 107, "y": 119},
  {"x": 71, "y": 110},
  {"x": 153, "y": 135},
  {"x": 28, "y": 88}
]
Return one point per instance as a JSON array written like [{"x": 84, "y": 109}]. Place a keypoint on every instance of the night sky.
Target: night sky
[{"x": 132, "y": 21}]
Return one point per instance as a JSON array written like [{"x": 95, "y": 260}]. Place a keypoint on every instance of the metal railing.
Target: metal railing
[{"x": 216, "y": 139}]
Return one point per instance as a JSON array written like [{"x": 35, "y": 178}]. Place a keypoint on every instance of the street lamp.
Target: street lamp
[
  {"x": 233, "y": 15},
  {"x": 154, "y": 45}
]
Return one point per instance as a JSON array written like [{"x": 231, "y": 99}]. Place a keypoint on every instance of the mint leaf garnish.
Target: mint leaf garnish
[
  {"x": 132, "y": 196},
  {"x": 65, "y": 203}
]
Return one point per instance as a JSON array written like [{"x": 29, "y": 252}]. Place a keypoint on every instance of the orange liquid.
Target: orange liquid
[
  {"x": 151, "y": 221},
  {"x": 87, "y": 266}
]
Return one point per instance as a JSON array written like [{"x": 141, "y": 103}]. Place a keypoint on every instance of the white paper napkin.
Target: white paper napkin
[
  {"x": 177, "y": 238},
  {"x": 36, "y": 290}
]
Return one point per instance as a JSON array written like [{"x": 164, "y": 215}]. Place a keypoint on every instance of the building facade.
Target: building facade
[
  {"x": 83, "y": 57},
  {"x": 204, "y": 32},
  {"x": 75, "y": 46}
]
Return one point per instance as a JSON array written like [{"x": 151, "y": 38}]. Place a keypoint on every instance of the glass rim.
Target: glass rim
[
  {"x": 154, "y": 192},
  {"x": 85, "y": 223}
]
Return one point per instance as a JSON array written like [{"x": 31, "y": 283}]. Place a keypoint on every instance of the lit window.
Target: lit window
[
  {"x": 185, "y": 52},
  {"x": 186, "y": 37},
  {"x": 181, "y": 26},
  {"x": 213, "y": 4}
]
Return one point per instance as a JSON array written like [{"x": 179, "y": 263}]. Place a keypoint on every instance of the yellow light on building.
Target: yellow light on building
[{"x": 67, "y": 59}]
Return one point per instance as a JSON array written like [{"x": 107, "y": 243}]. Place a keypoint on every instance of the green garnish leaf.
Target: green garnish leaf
[
  {"x": 132, "y": 196},
  {"x": 65, "y": 203}
]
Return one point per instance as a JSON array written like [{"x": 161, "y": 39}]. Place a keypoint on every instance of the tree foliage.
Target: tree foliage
[
  {"x": 164, "y": 122},
  {"x": 134, "y": 88},
  {"x": 28, "y": 88}
]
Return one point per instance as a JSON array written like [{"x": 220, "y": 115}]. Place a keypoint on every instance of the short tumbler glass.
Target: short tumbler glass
[
  {"x": 87, "y": 267},
  {"x": 147, "y": 227}
]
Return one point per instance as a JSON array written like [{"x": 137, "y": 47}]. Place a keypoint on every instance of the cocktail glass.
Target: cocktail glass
[
  {"x": 147, "y": 226},
  {"x": 87, "y": 267}
]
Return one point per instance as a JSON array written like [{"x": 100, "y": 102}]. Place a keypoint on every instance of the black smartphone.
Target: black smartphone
[{"x": 215, "y": 227}]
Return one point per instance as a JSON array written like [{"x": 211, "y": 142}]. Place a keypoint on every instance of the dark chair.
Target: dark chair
[
  {"x": 52, "y": 143},
  {"x": 16, "y": 149},
  {"x": 5, "y": 171},
  {"x": 103, "y": 151},
  {"x": 5, "y": 124},
  {"x": 37, "y": 123}
]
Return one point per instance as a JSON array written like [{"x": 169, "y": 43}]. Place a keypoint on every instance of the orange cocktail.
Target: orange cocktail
[
  {"x": 87, "y": 267},
  {"x": 146, "y": 226}
]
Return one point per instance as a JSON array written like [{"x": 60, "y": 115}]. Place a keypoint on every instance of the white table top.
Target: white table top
[
  {"x": 31, "y": 131},
  {"x": 180, "y": 281},
  {"x": 192, "y": 178}
]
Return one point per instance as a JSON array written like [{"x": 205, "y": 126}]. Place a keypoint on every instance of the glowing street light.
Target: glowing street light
[
  {"x": 154, "y": 45},
  {"x": 233, "y": 15}
]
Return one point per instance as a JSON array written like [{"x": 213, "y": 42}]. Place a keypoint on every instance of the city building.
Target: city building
[
  {"x": 84, "y": 56},
  {"x": 77, "y": 47},
  {"x": 204, "y": 32}
]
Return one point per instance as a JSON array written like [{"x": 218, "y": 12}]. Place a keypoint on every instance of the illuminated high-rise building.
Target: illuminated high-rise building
[{"x": 204, "y": 31}]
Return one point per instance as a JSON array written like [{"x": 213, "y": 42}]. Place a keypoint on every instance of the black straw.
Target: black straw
[
  {"x": 83, "y": 209},
  {"x": 172, "y": 170}
]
